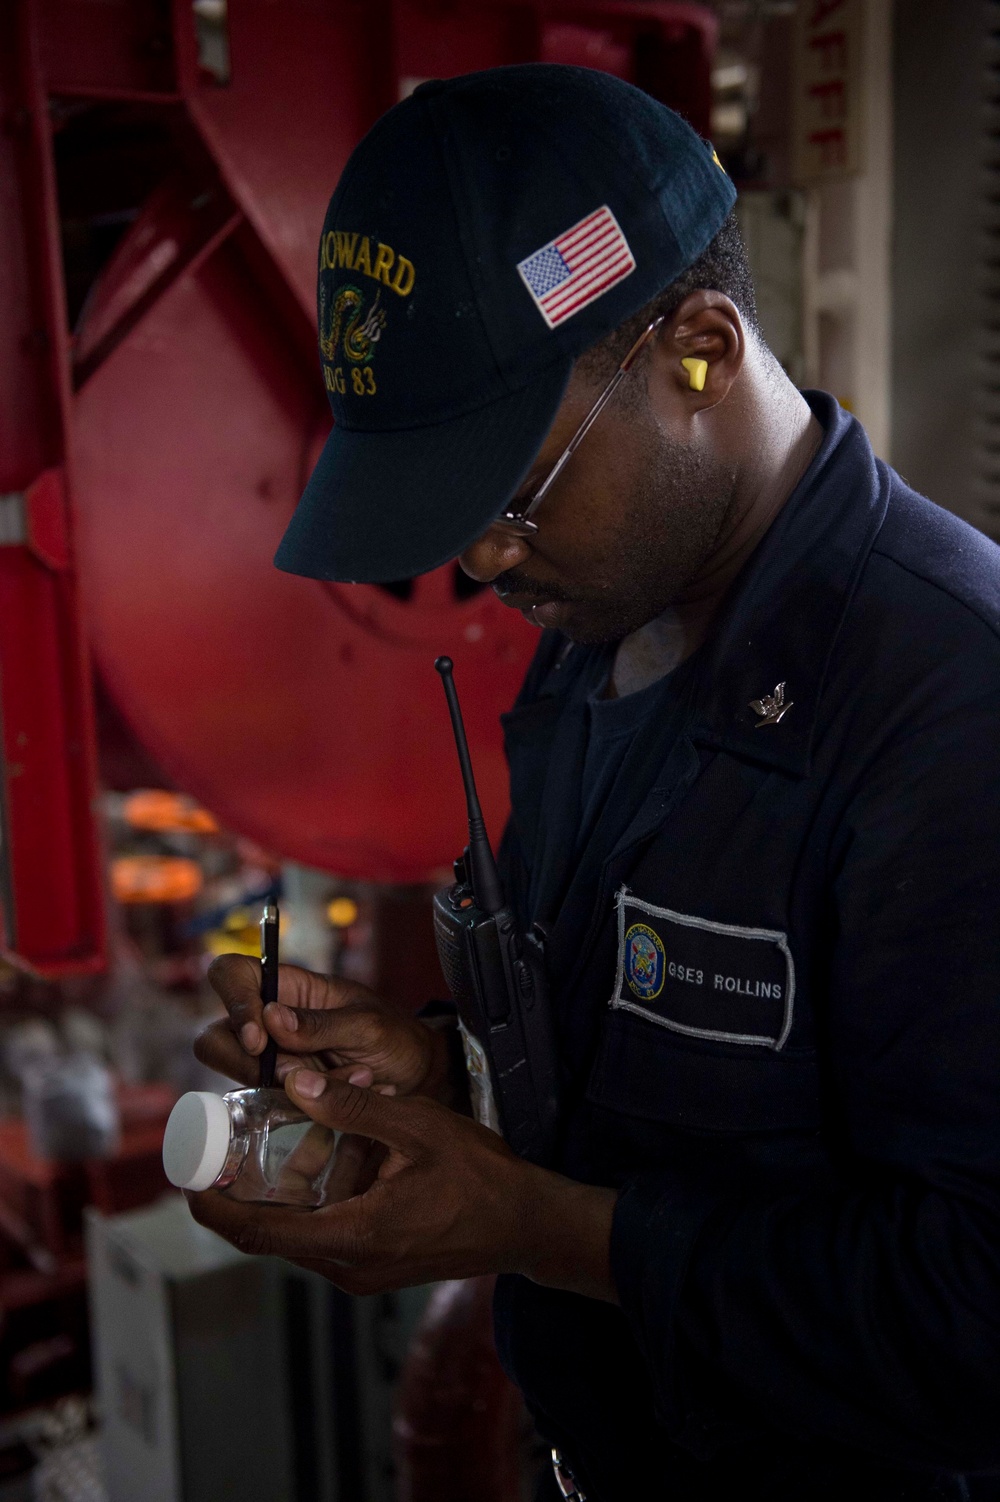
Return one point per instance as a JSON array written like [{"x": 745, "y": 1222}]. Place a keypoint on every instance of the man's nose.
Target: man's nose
[{"x": 493, "y": 554}]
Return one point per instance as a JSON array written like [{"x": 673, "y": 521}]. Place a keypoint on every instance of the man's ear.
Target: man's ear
[{"x": 701, "y": 349}]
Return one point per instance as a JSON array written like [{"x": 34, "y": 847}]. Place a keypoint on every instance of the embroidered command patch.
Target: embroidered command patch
[
  {"x": 581, "y": 264},
  {"x": 706, "y": 979},
  {"x": 644, "y": 961}
]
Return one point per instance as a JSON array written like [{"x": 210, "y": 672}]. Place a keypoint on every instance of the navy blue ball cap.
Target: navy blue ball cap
[{"x": 484, "y": 233}]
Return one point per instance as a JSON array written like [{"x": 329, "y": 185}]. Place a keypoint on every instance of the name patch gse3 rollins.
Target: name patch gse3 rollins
[{"x": 705, "y": 979}]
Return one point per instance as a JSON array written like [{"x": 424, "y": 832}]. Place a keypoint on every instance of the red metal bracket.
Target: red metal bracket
[{"x": 50, "y": 869}]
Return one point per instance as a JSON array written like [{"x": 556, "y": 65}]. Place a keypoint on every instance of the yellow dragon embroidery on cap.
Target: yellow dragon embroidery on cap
[{"x": 360, "y": 335}]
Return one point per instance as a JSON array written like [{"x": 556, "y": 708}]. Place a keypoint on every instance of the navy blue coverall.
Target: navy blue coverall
[{"x": 775, "y": 959}]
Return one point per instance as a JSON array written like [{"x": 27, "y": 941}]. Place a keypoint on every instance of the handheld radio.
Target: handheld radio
[{"x": 496, "y": 976}]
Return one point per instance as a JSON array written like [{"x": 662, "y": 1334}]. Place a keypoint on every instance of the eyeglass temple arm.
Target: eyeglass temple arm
[{"x": 592, "y": 416}]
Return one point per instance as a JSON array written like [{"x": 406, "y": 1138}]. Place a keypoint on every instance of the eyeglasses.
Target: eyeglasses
[{"x": 519, "y": 522}]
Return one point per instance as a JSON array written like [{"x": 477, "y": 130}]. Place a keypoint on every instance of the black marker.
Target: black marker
[{"x": 268, "y": 985}]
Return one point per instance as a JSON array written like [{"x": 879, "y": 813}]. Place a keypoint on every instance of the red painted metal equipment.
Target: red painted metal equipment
[
  {"x": 183, "y": 415},
  {"x": 50, "y": 893}
]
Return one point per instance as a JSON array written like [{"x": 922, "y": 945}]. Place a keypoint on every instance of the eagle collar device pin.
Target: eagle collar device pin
[{"x": 771, "y": 707}]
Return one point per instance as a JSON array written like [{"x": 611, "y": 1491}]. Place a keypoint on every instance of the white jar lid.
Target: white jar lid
[{"x": 196, "y": 1140}]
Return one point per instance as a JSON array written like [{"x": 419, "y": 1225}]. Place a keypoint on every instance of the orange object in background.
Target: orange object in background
[
  {"x": 167, "y": 813},
  {"x": 155, "y": 878},
  {"x": 342, "y": 912}
]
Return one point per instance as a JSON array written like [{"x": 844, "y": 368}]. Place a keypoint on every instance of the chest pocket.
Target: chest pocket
[
  {"x": 705, "y": 980},
  {"x": 698, "y": 1023}
]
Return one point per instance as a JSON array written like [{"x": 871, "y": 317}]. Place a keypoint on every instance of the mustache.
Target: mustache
[{"x": 513, "y": 582}]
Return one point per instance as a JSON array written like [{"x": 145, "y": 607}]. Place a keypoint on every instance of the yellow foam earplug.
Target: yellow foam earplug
[{"x": 697, "y": 371}]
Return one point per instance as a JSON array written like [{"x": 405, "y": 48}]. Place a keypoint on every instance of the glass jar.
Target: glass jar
[{"x": 253, "y": 1144}]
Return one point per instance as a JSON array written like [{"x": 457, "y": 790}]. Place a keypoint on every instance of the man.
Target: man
[{"x": 755, "y": 809}]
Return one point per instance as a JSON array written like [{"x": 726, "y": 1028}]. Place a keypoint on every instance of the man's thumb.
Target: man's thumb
[{"x": 351, "y": 1108}]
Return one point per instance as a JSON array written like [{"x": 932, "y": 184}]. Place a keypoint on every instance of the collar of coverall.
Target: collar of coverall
[{"x": 782, "y": 620}]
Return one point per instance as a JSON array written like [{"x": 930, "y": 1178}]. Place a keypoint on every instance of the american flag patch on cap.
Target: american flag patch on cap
[{"x": 581, "y": 264}]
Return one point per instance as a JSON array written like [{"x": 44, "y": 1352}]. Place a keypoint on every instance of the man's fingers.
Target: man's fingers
[
  {"x": 235, "y": 978},
  {"x": 307, "y": 991},
  {"x": 303, "y": 996},
  {"x": 355, "y": 1167},
  {"x": 354, "y": 1074},
  {"x": 221, "y": 1051},
  {"x": 334, "y": 1233},
  {"x": 308, "y": 1159},
  {"x": 349, "y": 1108},
  {"x": 346, "y": 1031},
  {"x": 289, "y": 1061},
  {"x": 350, "y": 1279}
]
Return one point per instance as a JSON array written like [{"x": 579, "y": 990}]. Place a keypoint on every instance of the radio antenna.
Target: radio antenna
[{"x": 482, "y": 866}]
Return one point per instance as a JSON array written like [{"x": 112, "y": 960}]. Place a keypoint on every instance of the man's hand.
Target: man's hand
[
  {"x": 450, "y": 1200},
  {"x": 329, "y": 1024}
]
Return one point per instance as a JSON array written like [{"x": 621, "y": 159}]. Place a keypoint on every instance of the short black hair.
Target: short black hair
[{"x": 723, "y": 266}]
